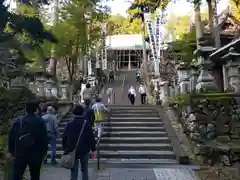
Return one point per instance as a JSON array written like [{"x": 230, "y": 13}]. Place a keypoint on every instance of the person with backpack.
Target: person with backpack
[
  {"x": 78, "y": 137},
  {"x": 51, "y": 123},
  {"x": 28, "y": 143},
  {"x": 99, "y": 112}
]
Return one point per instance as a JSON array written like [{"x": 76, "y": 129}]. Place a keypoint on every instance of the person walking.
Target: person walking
[
  {"x": 87, "y": 94},
  {"x": 142, "y": 91},
  {"x": 86, "y": 143},
  {"x": 28, "y": 143},
  {"x": 51, "y": 123},
  {"x": 99, "y": 112},
  {"x": 131, "y": 95},
  {"x": 110, "y": 95}
]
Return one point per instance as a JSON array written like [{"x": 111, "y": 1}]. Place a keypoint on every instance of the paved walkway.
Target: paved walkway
[{"x": 124, "y": 174}]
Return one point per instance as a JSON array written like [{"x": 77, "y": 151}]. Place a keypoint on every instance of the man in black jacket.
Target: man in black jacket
[
  {"x": 28, "y": 143},
  {"x": 86, "y": 144}
]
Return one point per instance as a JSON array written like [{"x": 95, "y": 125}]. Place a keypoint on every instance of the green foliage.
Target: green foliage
[
  {"x": 21, "y": 31},
  {"x": 117, "y": 24},
  {"x": 11, "y": 102},
  {"x": 180, "y": 101}
]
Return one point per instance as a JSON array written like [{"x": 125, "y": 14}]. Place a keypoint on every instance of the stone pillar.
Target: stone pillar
[
  {"x": 85, "y": 61},
  {"x": 205, "y": 81},
  {"x": 40, "y": 86},
  {"x": 183, "y": 78},
  {"x": 63, "y": 91},
  {"x": 233, "y": 68},
  {"x": 164, "y": 92},
  {"x": 89, "y": 67},
  {"x": 129, "y": 60},
  {"x": 49, "y": 86},
  {"x": 83, "y": 86}
]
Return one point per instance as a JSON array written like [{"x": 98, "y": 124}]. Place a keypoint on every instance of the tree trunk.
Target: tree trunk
[
  {"x": 210, "y": 16},
  {"x": 198, "y": 22},
  {"x": 217, "y": 41},
  {"x": 216, "y": 30}
]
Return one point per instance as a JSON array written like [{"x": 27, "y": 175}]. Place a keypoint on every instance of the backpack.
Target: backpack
[
  {"x": 99, "y": 114},
  {"x": 25, "y": 140}
]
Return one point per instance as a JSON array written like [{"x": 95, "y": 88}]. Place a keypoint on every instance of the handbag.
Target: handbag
[{"x": 68, "y": 160}]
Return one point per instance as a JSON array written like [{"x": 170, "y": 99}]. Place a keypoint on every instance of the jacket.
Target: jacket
[
  {"x": 99, "y": 111},
  {"x": 40, "y": 135},
  {"x": 51, "y": 123},
  {"x": 87, "y": 93},
  {"x": 70, "y": 136}
]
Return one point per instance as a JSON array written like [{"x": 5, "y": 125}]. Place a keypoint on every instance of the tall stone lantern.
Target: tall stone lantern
[
  {"x": 193, "y": 75},
  {"x": 49, "y": 87},
  {"x": 233, "y": 67},
  {"x": 183, "y": 78},
  {"x": 40, "y": 80},
  {"x": 205, "y": 81},
  {"x": 63, "y": 89}
]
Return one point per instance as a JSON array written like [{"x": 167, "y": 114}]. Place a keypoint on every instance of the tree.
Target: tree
[
  {"x": 28, "y": 26},
  {"x": 118, "y": 24},
  {"x": 75, "y": 35}
]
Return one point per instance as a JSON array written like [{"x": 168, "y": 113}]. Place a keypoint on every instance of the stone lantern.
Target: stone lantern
[
  {"x": 63, "y": 88},
  {"x": 193, "y": 75},
  {"x": 183, "y": 77},
  {"x": 49, "y": 86},
  {"x": 205, "y": 81},
  {"x": 40, "y": 80},
  {"x": 233, "y": 67}
]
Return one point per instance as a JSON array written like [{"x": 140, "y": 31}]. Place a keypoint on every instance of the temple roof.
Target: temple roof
[
  {"x": 125, "y": 42},
  {"x": 229, "y": 25}
]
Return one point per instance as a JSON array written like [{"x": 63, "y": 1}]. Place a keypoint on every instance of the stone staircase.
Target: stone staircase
[{"x": 134, "y": 134}]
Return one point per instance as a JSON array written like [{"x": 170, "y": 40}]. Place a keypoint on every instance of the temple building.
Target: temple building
[{"x": 125, "y": 51}]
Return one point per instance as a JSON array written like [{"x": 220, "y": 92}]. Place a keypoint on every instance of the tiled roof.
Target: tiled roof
[{"x": 125, "y": 42}]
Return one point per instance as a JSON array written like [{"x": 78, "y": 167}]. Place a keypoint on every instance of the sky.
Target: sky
[{"x": 179, "y": 8}]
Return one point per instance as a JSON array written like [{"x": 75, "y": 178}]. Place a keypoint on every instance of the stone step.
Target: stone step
[
  {"x": 140, "y": 111},
  {"x": 132, "y": 128},
  {"x": 129, "y": 154},
  {"x": 134, "y": 124},
  {"x": 137, "y": 119},
  {"x": 135, "y": 140},
  {"x": 133, "y": 163},
  {"x": 138, "y": 134},
  {"x": 139, "y": 147},
  {"x": 125, "y": 146},
  {"x": 122, "y": 107},
  {"x": 138, "y": 154},
  {"x": 134, "y": 114}
]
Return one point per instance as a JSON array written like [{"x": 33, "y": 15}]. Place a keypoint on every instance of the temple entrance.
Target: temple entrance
[{"x": 127, "y": 59}]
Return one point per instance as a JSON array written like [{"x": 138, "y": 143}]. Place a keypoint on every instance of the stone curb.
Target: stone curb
[{"x": 182, "y": 155}]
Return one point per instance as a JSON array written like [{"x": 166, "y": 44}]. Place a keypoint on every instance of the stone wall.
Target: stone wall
[{"x": 212, "y": 123}]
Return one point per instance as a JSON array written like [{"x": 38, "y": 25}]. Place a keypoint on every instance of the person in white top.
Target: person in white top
[
  {"x": 131, "y": 95},
  {"x": 142, "y": 91},
  {"x": 110, "y": 95}
]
